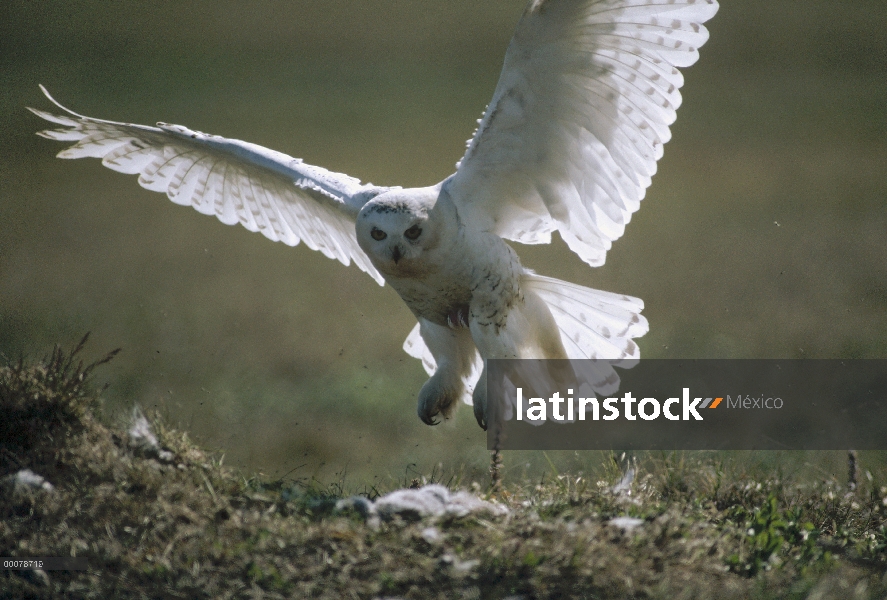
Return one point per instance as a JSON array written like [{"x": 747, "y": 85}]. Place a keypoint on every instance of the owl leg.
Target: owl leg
[
  {"x": 479, "y": 399},
  {"x": 526, "y": 330},
  {"x": 454, "y": 353}
]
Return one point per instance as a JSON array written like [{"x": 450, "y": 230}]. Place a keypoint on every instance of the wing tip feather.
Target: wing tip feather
[{"x": 57, "y": 103}]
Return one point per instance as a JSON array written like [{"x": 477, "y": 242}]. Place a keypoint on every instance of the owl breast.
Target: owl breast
[{"x": 479, "y": 278}]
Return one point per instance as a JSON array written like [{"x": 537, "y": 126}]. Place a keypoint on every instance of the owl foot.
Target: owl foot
[
  {"x": 479, "y": 399},
  {"x": 458, "y": 318},
  {"x": 437, "y": 398}
]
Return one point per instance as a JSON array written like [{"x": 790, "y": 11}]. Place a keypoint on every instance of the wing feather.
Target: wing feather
[
  {"x": 578, "y": 120},
  {"x": 238, "y": 182}
]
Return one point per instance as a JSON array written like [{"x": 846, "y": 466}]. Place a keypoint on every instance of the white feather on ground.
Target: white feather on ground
[{"x": 430, "y": 501}]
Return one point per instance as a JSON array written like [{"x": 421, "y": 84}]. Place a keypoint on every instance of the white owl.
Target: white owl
[{"x": 569, "y": 142}]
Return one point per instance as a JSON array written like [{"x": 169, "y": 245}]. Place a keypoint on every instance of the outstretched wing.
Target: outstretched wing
[
  {"x": 238, "y": 182},
  {"x": 578, "y": 119}
]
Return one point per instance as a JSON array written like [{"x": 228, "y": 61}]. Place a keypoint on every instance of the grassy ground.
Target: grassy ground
[{"x": 185, "y": 526}]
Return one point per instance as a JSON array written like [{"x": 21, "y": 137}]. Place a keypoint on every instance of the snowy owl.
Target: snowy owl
[{"x": 569, "y": 142}]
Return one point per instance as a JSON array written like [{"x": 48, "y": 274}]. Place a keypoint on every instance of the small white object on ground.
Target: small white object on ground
[
  {"x": 141, "y": 437},
  {"x": 24, "y": 481},
  {"x": 429, "y": 501},
  {"x": 624, "y": 485},
  {"x": 431, "y": 535},
  {"x": 625, "y": 523},
  {"x": 461, "y": 566}
]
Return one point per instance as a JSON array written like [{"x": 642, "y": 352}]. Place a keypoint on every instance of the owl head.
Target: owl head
[{"x": 397, "y": 230}]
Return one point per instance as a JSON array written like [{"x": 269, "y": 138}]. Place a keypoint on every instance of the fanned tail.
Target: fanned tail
[{"x": 594, "y": 325}]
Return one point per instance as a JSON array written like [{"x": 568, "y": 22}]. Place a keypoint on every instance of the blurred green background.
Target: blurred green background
[{"x": 763, "y": 235}]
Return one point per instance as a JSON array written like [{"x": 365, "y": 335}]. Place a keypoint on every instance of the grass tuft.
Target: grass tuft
[{"x": 44, "y": 403}]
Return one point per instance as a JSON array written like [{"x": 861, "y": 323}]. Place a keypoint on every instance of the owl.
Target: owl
[{"x": 568, "y": 143}]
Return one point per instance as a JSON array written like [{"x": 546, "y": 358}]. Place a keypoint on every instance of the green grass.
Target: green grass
[{"x": 190, "y": 527}]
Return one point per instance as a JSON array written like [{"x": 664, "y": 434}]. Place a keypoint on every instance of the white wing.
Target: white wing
[
  {"x": 578, "y": 119},
  {"x": 238, "y": 182}
]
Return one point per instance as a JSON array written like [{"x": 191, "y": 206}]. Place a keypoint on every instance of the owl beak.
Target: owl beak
[{"x": 396, "y": 255}]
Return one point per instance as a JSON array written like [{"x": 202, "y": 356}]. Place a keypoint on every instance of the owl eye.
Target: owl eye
[
  {"x": 378, "y": 234},
  {"x": 413, "y": 232}
]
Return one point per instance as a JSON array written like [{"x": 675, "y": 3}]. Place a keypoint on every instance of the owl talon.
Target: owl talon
[
  {"x": 458, "y": 318},
  {"x": 438, "y": 397},
  {"x": 429, "y": 420},
  {"x": 479, "y": 399}
]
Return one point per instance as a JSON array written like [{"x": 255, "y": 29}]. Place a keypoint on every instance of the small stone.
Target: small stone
[
  {"x": 414, "y": 504},
  {"x": 358, "y": 504},
  {"x": 625, "y": 523},
  {"x": 37, "y": 577},
  {"x": 142, "y": 438},
  {"x": 431, "y": 535},
  {"x": 25, "y": 481}
]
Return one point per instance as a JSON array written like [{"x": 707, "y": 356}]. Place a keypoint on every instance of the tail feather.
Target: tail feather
[{"x": 593, "y": 324}]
